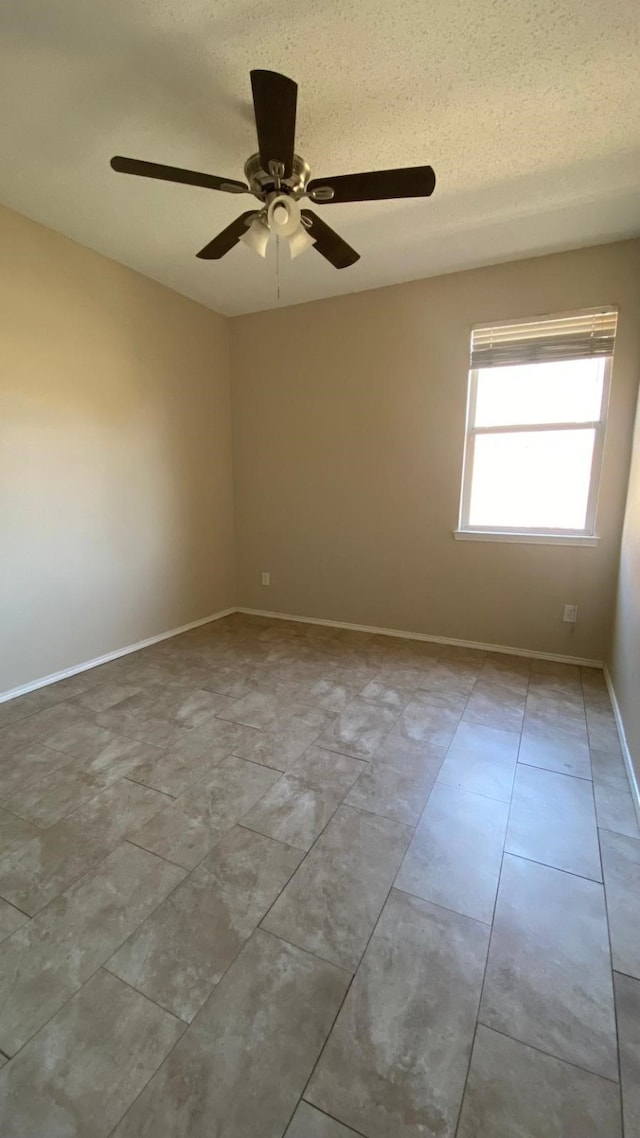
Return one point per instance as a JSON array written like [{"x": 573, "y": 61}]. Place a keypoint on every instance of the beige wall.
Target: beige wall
[
  {"x": 116, "y": 513},
  {"x": 624, "y": 661},
  {"x": 348, "y": 436},
  {"x": 115, "y": 456}
]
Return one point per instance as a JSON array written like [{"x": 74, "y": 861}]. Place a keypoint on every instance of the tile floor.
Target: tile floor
[{"x": 269, "y": 879}]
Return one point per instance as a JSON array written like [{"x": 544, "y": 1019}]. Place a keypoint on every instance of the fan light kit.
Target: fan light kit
[
  {"x": 282, "y": 217},
  {"x": 280, "y": 179}
]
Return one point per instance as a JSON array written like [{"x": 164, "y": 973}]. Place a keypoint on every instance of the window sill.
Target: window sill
[{"x": 526, "y": 538}]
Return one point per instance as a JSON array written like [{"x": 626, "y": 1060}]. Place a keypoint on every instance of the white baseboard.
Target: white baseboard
[
  {"x": 43, "y": 681},
  {"x": 583, "y": 663},
  {"x": 13, "y": 693},
  {"x": 626, "y": 753}
]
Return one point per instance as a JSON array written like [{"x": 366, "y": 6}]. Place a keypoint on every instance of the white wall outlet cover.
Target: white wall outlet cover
[
  {"x": 570, "y": 614},
  {"x": 266, "y": 578}
]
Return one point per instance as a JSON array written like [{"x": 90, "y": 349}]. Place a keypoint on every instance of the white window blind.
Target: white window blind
[{"x": 570, "y": 336}]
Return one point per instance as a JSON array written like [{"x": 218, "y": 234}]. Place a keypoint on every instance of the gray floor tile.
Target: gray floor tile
[
  {"x": 84, "y": 1069},
  {"x": 25, "y": 705},
  {"x": 627, "y": 992},
  {"x": 515, "y": 1090},
  {"x": 175, "y": 770},
  {"x": 273, "y": 709},
  {"x": 230, "y": 681},
  {"x": 594, "y": 684},
  {"x": 188, "y": 709},
  {"x": 333, "y": 900},
  {"x": 43, "y": 963},
  {"x": 555, "y": 753},
  {"x": 57, "y": 857},
  {"x": 614, "y": 804},
  {"x": 283, "y": 686},
  {"x": 278, "y": 749},
  {"x": 461, "y": 653},
  {"x": 553, "y": 820},
  {"x": 552, "y": 698},
  {"x": 547, "y": 723},
  {"x": 393, "y": 688},
  {"x": 621, "y": 865},
  {"x": 55, "y": 795},
  {"x": 596, "y": 698},
  {"x": 308, "y": 1122},
  {"x": 549, "y": 706},
  {"x": 10, "y": 919},
  {"x": 181, "y": 951},
  {"x": 398, "y": 780},
  {"x": 396, "y": 1060},
  {"x": 82, "y": 739},
  {"x": 548, "y": 979},
  {"x": 494, "y": 704},
  {"x": 455, "y": 854},
  {"x": 431, "y": 717},
  {"x": 158, "y": 732},
  {"x": 603, "y": 733},
  {"x": 215, "y": 735},
  {"x": 14, "y": 833},
  {"x": 452, "y": 678},
  {"x": 298, "y": 806},
  {"x": 555, "y": 678},
  {"x": 390, "y": 652},
  {"x": 509, "y": 671},
  {"x": 108, "y": 693},
  {"x": 43, "y": 727},
  {"x": 213, "y": 717},
  {"x": 481, "y": 760},
  {"x": 193, "y": 823},
  {"x": 171, "y": 774},
  {"x": 332, "y": 695},
  {"x": 186, "y": 745},
  {"x": 243, "y": 1063},
  {"x": 22, "y": 765},
  {"x": 359, "y": 730}
]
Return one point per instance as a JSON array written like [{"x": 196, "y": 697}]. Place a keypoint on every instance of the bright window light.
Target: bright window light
[
  {"x": 532, "y": 480},
  {"x": 535, "y": 429}
]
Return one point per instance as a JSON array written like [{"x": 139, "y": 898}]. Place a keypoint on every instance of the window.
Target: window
[{"x": 536, "y": 416}]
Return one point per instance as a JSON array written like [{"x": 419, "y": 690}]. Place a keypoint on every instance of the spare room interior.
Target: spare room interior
[{"x": 320, "y": 564}]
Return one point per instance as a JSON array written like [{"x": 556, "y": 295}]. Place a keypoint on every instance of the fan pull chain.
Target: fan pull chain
[{"x": 277, "y": 267}]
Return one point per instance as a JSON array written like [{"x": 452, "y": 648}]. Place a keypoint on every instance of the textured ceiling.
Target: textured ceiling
[{"x": 529, "y": 111}]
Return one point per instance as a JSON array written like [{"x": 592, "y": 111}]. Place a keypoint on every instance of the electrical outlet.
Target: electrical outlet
[
  {"x": 266, "y": 580},
  {"x": 570, "y": 614}
]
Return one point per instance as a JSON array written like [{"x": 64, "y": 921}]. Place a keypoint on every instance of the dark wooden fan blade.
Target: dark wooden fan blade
[
  {"x": 328, "y": 242},
  {"x": 229, "y": 237},
  {"x": 411, "y": 182},
  {"x": 175, "y": 174},
  {"x": 274, "y": 100}
]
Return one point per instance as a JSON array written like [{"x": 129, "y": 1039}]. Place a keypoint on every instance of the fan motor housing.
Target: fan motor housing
[{"x": 262, "y": 183}]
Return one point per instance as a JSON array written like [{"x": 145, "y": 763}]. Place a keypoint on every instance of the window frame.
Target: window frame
[{"x": 541, "y": 534}]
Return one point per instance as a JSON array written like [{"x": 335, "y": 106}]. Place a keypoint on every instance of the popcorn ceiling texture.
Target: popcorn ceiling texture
[{"x": 527, "y": 109}]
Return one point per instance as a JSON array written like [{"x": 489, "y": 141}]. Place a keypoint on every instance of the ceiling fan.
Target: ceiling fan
[{"x": 279, "y": 178}]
